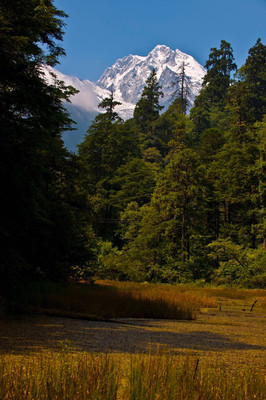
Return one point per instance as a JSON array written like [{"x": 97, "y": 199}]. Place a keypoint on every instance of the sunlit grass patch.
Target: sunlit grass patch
[
  {"x": 65, "y": 375},
  {"x": 111, "y": 299},
  {"x": 100, "y": 301},
  {"x": 58, "y": 376},
  {"x": 179, "y": 293},
  {"x": 234, "y": 293},
  {"x": 164, "y": 376}
]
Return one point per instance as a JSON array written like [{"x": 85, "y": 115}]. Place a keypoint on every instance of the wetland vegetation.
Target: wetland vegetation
[{"x": 218, "y": 355}]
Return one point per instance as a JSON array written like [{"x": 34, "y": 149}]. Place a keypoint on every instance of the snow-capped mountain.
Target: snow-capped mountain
[
  {"x": 127, "y": 76},
  {"x": 126, "y": 79}
]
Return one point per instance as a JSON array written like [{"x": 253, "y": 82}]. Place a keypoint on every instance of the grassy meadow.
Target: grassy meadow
[
  {"x": 200, "y": 343},
  {"x": 65, "y": 375}
]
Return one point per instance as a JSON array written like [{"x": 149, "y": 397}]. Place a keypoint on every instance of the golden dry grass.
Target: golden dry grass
[
  {"x": 67, "y": 376},
  {"x": 227, "y": 338},
  {"x": 112, "y": 300}
]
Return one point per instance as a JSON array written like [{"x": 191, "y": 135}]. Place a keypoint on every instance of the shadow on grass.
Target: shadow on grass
[{"x": 32, "y": 333}]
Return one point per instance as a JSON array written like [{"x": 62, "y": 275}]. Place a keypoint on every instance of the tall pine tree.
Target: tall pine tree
[
  {"x": 42, "y": 229},
  {"x": 148, "y": 109},
  {"x": 212, "y": 98}
]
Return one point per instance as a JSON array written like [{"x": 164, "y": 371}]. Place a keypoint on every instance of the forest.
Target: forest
[{"x": 169, "y": 196}]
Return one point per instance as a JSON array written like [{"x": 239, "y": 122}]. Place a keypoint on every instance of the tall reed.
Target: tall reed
[
  {"x": 112, "y": 301},
  {"x": 163, "y": 376},
  {"x": 61, "y": 376},
  {"x": 173, "y": 378}
]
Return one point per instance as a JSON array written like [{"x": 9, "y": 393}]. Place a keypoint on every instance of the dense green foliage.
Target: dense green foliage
[
  {"x": 43, "y": 224},
  {"x": 164, "y": 197},
  {"x": 189, "y": 199}
]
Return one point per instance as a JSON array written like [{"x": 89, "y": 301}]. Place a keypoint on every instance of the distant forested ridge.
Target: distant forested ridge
[{"x": 162, "y": 197}]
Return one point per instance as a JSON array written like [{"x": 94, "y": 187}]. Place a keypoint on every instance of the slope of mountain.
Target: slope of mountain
[{"x": 126, "y": 78}]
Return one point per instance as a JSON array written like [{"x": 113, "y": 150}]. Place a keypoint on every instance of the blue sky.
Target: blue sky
[{"x": 98, "y": 32}]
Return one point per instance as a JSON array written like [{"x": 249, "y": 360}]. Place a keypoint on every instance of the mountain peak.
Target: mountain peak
[
  {"x": 161, "y": 48},
  {"x": 126, "y": 78}
]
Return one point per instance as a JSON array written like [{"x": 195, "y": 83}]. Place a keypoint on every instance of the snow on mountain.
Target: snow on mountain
[
  {"x": 126, "y": 78},
  {"x": 84, "y": 105},
  {"x": 89, "y": 96}
]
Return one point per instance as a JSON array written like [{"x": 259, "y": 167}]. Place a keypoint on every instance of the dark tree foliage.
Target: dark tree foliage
[
  {"x": 134, "y": 181},
  {"x": 219, "y": 67},
  {"x": 251, "y": 93},
  {"x": 182, "y": 92},
  {"x": 148, "y": 108},
  {"x": 212, "y": 98},
  {"x": 108, "y": 145},
  {"x": 109, "y": 104},
  {"x": 193, "y": 204},
  {"x": 42, "y": 229}
]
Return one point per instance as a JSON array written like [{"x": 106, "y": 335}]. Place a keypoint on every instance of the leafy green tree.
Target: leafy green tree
[
  {"x": 162, "y": 133},
  {"x": 200, "y": 114},
  {"x": 258, "y": 196},
  {"x": 239, "y": 264},
  {"x": 210, "y": 144},
  {"x": 108, "y": 144},
  {"x": 181, "y": 135},
  {"x": 162, "y": 238},
  {"x": 144, "y": 249}
]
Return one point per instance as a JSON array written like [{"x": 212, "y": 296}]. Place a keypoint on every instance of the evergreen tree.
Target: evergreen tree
[
  {"x": 41, "y": 230},
  {"x": 181, "y": 94},
  {"x": 133, "y": 181},
  {"x": 237, "y": 184},
  {"x": 109, "y": 143},
  {"x": 162, "y": 237},
  {"x": 212, "y": 98},
  {"x": 144, "y": 249},
  {"x": 165, "y": 128},
  {"x": 148, "y": 108},
  {"x": 250, "y": 93},
  {"x": 219, "y": 67},
  {"x": 178, "y": 192},
  {"x": 108, "y": 103}
]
